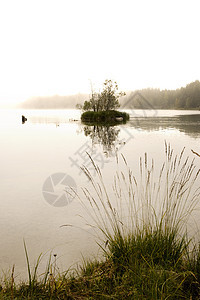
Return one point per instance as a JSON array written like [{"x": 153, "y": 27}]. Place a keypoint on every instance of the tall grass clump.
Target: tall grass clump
[
  {"x": 144, "y": 228},
  {"x": 143, "y": 224}
]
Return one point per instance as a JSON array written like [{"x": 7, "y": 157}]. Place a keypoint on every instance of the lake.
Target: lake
[{"x": 39, "y": 158}]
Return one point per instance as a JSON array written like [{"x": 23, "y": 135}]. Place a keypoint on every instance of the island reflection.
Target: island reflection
[{"x": 106, "y": 136}]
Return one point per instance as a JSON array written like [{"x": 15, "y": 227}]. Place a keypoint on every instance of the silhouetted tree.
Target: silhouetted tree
[{"x": 108, "y": 99}]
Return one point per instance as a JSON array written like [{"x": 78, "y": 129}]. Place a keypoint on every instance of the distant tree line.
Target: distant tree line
[{"x": 183, "y": 98}]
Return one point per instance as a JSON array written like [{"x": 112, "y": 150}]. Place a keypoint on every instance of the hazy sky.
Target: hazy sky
[{"x": 56, "y": 47}]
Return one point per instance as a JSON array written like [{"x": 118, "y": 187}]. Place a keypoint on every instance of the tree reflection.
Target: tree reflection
[
  {"x": 188, "y": 124},
  {"x": 107, "y": 136}
]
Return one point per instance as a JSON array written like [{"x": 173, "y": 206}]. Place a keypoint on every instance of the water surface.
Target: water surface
[{"x": 52, "y": 142}]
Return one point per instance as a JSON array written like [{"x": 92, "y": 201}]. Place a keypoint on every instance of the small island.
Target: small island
[
  {"x": 110, "y": 117},
  {"x": 102, "y": 107}
]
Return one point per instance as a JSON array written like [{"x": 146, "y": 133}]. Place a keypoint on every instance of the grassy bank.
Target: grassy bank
[
  {"x": 147, "y": 253},
  {"x": 104, "y": 117}
]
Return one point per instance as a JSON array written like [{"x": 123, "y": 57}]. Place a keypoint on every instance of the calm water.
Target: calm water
[{"x": 55, "y": 142}]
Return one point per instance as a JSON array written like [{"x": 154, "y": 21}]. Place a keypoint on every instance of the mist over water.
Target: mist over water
[{"x": 55, "y": 142}]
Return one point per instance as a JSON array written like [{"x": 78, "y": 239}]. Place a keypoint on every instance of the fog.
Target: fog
[
  {"x": 184, "y": 98},
  {"x": 57, "y": 47},
  {"x": 54, "y": 102}
]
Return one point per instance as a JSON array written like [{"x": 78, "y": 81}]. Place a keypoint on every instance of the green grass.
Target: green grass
[
  {"x": 104, "y": 117},
  {"x": 147, "y": 253}
]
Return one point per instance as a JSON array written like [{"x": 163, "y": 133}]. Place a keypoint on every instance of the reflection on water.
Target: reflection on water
[
  {"x": 189, "y": 124},
  {"x": 107, "y": 136}
]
